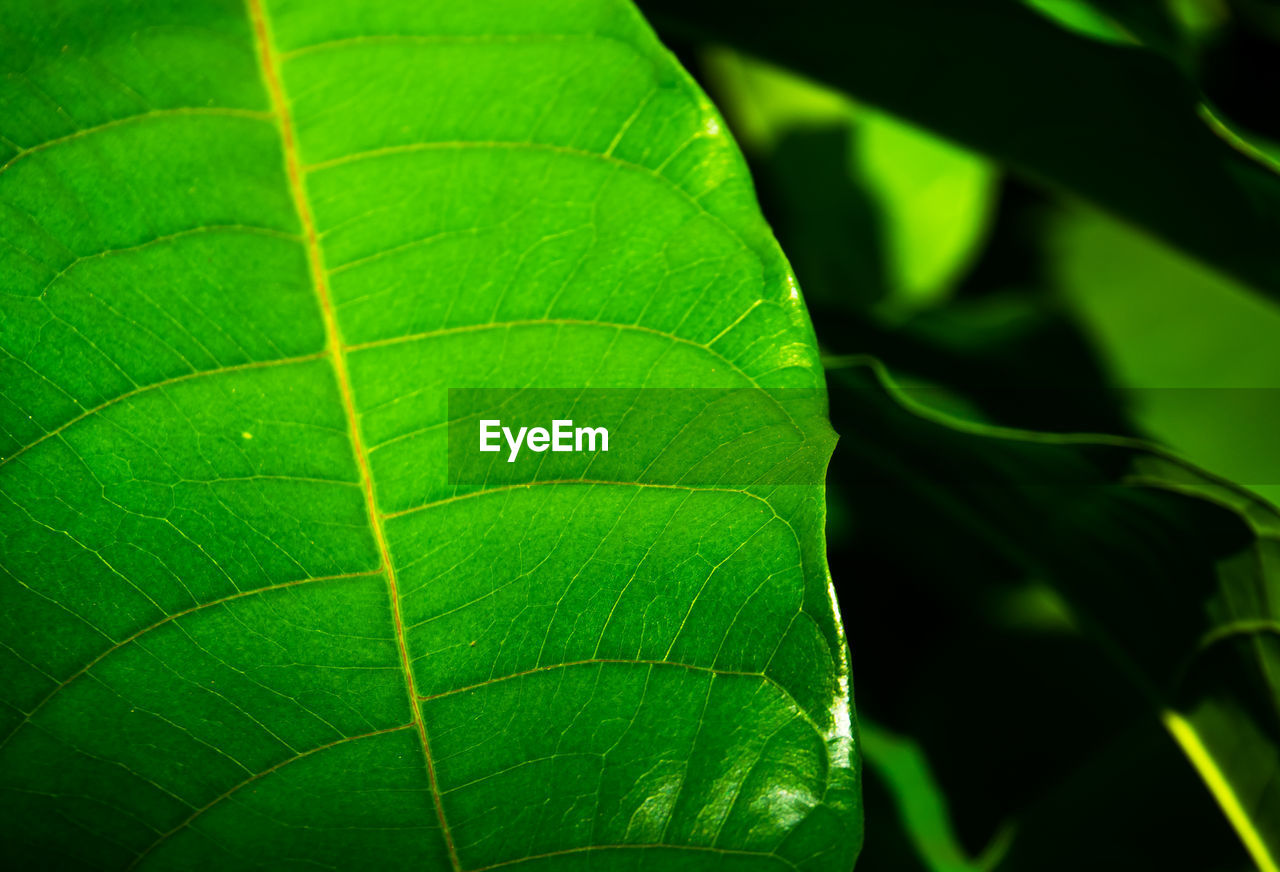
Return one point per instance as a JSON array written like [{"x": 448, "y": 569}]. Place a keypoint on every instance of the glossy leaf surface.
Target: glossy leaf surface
[{"x": 245, "y": 620}]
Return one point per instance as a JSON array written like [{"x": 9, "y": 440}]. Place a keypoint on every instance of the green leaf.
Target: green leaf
[
  {"x": 245, "y": 620},
  {"x": 1172, "y": 570},
  {"x": 930, "y": 201},
  {"x": 1089, "y": 19},
  {"x": 900, "y": 764},
  {"x": 1194, "y": 352},
  {"x": 1116, "y": 125},
  {"x": 1128, "y": 797}
]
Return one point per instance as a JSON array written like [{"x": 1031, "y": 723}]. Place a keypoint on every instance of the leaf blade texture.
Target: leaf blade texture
[{"x": 247, "y": 623}]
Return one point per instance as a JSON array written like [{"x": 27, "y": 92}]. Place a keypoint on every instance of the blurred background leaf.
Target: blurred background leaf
[
  {"x": 1044, "y": 218},
  {"x": 1059, "y": 539},
  {"x": 927, "y": 203},
  {"x": 1114, "y": 124},
  {"x": 1199, "y": 351},
  {"x": 902, "y": 771}
]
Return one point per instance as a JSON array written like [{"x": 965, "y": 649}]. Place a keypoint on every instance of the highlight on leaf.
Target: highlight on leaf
[{"x": 248, "y": 619}]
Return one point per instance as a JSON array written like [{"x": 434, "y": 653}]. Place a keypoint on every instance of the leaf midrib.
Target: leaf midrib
[{"x": 336, "y": 352}]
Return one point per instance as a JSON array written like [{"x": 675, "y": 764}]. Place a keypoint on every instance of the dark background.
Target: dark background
[{"x": 1093, "y": 182}]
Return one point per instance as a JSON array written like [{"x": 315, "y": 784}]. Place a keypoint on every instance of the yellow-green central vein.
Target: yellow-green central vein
[{"x": 337, "y": 355}]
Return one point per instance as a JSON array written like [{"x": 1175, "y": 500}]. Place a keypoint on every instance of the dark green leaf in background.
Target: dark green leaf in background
[
  {"x": 1008, "y": 552},
  {"x": 244, "y": 620},
  {"x": 1172, "y": 571},
  {"x": 1195, "y": 354},
  {"x": 927, "y": 203},
  {"x": 1117, "y": 125}
]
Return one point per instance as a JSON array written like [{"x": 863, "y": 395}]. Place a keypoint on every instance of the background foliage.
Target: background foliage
[{"x": 1051, "y": 217}]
